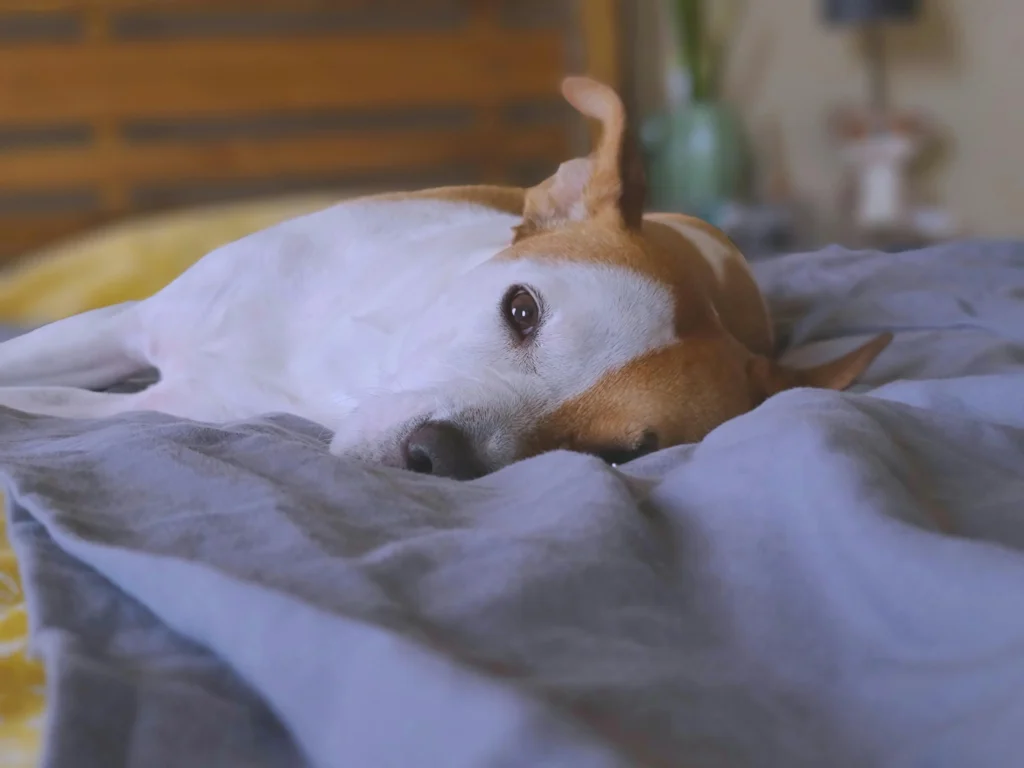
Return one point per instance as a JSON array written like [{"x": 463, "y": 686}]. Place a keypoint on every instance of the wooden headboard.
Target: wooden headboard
[{"x": 113, "y": 107}]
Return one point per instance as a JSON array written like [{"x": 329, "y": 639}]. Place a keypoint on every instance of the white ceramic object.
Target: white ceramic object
[{"x": 879, "y": 163}]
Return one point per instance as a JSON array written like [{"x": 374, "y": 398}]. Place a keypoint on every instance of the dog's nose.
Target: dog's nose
[{"x": 442, "y": 449}]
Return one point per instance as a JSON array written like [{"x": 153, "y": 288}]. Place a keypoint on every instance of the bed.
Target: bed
[{"x": 832, "y": 579}]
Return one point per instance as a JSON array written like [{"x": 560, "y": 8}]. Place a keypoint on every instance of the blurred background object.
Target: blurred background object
[
  {"x": 815, "y": 84},
  {"x": 696, "y": 147},
  {"x": 112, "y": 109},
  {"x": 878, "y": 141},
  {"x": 869, "y": 16}
]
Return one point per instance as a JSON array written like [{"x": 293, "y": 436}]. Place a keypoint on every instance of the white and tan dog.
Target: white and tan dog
[{"x": 449, "y": 331}]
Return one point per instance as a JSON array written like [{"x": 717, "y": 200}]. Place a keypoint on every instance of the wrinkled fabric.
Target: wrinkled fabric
[{"x": 833, "y": 579}]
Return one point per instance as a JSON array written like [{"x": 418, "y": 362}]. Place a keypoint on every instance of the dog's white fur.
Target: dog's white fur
[{"x": 368, "y": 317}]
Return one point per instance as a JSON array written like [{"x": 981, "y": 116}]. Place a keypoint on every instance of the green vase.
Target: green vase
[{"x": 696, "y": 159}]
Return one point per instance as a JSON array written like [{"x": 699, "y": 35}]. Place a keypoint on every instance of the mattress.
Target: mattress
[{"x": 832, "y": 579}]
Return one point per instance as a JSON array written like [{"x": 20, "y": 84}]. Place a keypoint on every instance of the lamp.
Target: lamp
[
  {"x": 877, "y": 143},
  {"x": 870, "y": 15}
]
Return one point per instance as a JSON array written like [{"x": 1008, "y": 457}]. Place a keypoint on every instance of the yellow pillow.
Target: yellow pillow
[
  {"x": 132, "y": 259},
  {"x": 124, "y": 261},
  {"x": 21, "y": 677}
]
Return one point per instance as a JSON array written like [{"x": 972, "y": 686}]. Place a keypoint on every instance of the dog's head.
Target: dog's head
[{"x": 586, "y": 334}]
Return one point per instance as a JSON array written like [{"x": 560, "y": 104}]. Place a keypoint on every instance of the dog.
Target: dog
[{"x": 449, "y": 331}]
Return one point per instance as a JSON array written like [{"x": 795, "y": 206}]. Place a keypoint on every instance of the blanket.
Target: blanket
[{"x": 832, "y": 579}]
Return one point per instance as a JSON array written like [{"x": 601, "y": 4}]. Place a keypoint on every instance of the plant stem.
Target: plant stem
[{"x": 690, "y": 18}]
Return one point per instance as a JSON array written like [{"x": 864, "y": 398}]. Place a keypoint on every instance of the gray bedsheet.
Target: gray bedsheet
[{"x": 833, "y": 579}]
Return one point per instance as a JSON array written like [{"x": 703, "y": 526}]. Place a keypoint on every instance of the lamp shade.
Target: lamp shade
[{"x": 866, "y": 11}]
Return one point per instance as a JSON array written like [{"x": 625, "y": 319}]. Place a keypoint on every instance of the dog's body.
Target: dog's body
[{"x": 450, "y": 331}]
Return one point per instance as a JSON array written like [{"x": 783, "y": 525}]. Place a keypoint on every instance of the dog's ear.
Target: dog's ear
[
  {"x": 608, "y": 185},
  {"x": 558, "y": 200},
  {"x": 769, "y": 378}
]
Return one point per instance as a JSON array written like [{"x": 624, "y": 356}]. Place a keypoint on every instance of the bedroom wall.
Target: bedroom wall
[{"x": 959, "y": 63}]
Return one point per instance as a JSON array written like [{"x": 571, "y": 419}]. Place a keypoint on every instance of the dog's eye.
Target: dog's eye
[
  {"x": 521, "y": 311},
  {"x": 615, "y": 456}
]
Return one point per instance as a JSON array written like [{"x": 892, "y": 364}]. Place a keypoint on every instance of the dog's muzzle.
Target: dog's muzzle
[{"x": 441, "y": 448}]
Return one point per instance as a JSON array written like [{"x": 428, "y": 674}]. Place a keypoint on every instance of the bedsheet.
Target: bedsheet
[
  {"x": 22, "y": 693},
  {"x": 832, "y": 579}
]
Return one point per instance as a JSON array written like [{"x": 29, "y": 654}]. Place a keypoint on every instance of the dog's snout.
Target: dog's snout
[{"x": 442, "y": 449}]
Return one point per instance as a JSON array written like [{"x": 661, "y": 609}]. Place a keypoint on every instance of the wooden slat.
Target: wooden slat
[
  {"x": 599, "y": 22},
  {"x": 113, "y": 191},
  {"x": 483, "y": 30},
  {"x": 201, "y": 77},
  {"x": 22, "y": 233},
  {"x": 234, "y": 159}
]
